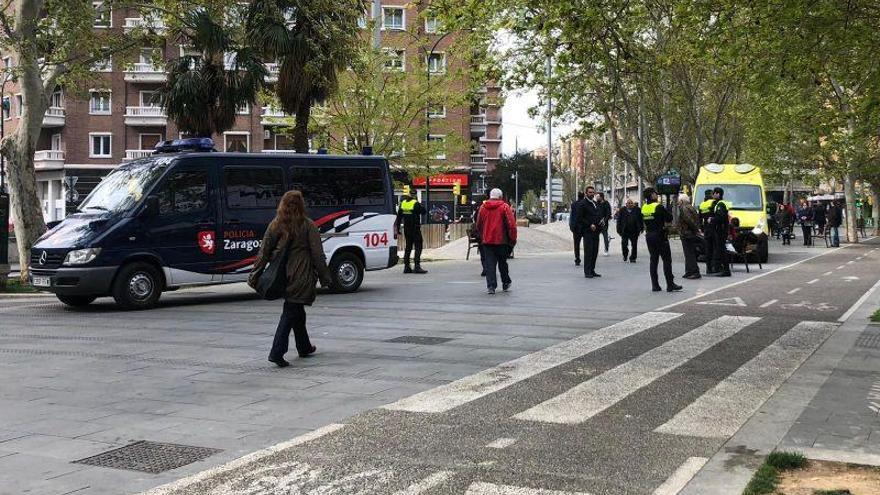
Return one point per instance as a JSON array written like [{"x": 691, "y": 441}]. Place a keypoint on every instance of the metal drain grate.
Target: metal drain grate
[
  {"x": 149, "y": 457},
  {"x": 416, "y": 339},
  {"x": 869, "y": 340}
]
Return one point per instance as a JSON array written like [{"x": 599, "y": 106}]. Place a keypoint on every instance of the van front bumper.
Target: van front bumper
[{"x": 85, "y": 281}]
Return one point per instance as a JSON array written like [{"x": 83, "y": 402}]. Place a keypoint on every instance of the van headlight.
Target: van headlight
[{"x": 81, "y": 256}]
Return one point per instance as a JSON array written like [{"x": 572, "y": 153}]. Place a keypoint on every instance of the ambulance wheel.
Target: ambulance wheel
[
  {"x": 346, "y": 272},
  {"x": 138, "y": 285},
  {"x": 76, "y": 301}
]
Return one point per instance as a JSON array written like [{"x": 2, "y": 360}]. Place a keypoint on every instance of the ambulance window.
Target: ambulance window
[
  {"x": 340, "y": 186},
  {"x": 185, "y": 191},
  {"x": 253, "y": 187}
]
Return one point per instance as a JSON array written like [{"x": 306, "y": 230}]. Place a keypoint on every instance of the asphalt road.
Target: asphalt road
[{"x": 563, "y": 386}]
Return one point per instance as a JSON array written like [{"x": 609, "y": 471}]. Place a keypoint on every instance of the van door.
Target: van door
[
  {"x": 250, "y": 197},
  {"x": 184, "y": 233}
]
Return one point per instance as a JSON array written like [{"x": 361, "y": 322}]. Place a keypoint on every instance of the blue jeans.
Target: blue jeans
[{"x": 835, "y": 236}]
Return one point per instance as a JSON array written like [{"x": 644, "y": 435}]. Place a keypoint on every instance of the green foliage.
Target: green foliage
[
  {"x": 786, "y": 460},
  {"x": 532, "y": 174},
  {"x": 876, "y": 316},
  {"x": 12, "y": 286},
  {"x": 763, "y": 482}
]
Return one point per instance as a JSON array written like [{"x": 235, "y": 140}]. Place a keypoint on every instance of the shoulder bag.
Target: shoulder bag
[{"x": 271, "y": 283}]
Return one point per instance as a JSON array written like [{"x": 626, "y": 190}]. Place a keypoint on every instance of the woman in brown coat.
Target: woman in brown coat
[{"x": 291, "y": 230}]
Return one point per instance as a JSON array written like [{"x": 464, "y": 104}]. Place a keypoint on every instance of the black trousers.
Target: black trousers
[
  {"x": 709, "y": 249},
  {"x": 658, "y": 247},
  {"x": 689, "y": 246},
  {"x": 496, "y": 257},
  {"x": 719, "y": 252},
  {"x": 413, "y": 239},
  {"x": 808, "y": 234},
  {"x": 293, "y": 317},
  {"x": 627, "y": 241},
  {"x": 591, "y": 251},
  {"x": 578, "y": 238},
  {"x": 606, "y": 237}
]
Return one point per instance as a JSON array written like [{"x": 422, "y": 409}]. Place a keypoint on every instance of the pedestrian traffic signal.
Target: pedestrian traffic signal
[
  {"x": 406, "y": 190},
  {"x": 456, "y": 189},
  {"x": 464, "y": 199}
]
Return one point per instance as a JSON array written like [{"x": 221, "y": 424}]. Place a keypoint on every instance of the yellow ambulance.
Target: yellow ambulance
[{"x": 743, "y": 187}]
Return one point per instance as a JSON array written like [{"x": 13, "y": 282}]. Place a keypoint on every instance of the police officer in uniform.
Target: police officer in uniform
[
  {"x": 718, "y": 226},
  {"x": 705, "y": 211},
  {"x": 410, "y": 213},
  {"x": 656, "y": 217}
]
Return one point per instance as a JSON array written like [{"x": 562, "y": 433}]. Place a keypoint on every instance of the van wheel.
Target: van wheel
[
  {"x": 346, "y": 272},
  {"x": 138, "y": 285},
  {"x": 76, "y": 301}
]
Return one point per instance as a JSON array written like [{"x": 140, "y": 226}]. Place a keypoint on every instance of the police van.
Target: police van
[{"x": 188, "y": 216}]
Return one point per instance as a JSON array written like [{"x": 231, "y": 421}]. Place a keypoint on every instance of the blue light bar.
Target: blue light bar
[{"x": 190, "y": 144}]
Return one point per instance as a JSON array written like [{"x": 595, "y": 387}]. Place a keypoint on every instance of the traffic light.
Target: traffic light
[
  {"x": 406, "y": 190},
  {"x": 456, "y": 189}
]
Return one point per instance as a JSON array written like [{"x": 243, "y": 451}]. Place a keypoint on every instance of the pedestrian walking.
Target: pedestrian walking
[
  {"x": 292, "y": 232},
  {"x": 629, "y": 226},
  {"x": 496, "y": 225},
  {"x": 590, "y": 219},
  {"x": 575, "y": 228},
  {"x": 835, "y": 220},
  {"x": 656, "y": 217},
  {"x": 691, "y": 235},
  {"x": 820, "y": 217},
  {"x": 805, "y": 218},
  {"x": 474, "y": 215},
  {"x": 718, "y": 225},
  {"x": 785, "y": 220},
  {"x": 409, "y": 214},
  {"x": 605, "y": 207}
]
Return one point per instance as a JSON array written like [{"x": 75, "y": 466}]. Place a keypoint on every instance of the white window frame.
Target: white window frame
[
  {"x": 363, "y": 20},
  {"x": 402, "y": 10},
  {"x": 442, "y": 60},
  {"x": 19, "y": 105},
  {"x": 103, "y": 65},
  {"x": 237, "y": 133},
  {"x": 141, "y": 138},
  {"x": 429, "y": 20},
  {"x": 7, "y": 62},
  {"x": 439, "y": 137},
  {"x": 109, "y": 93},
  {"x": 402, "y": 58},
  {"x": 92, "y": 136},
  {"x": 60, "y": 101},
  {"x": 55, "y": 141},
  {"x": 244, "y": 110},
  {"x": 145, "y": 103},
  {"x": 97, "y": 5},
  {"x": 437, "y": 115}
]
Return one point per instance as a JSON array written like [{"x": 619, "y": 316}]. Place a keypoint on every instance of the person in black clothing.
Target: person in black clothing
[
  {"x": 605, "y": 208},
  {"x": 835, "y": 220},
  {"x": 590, "y": 219},
  {"x": 575, "y": 228},
  {"x": 410, "y": 215},
  {"x": 629, "y": 226},
  {"x": 819, "y": 217},
  {"x": 718, "y": 225},
  {"x": 656, "y": 217}
]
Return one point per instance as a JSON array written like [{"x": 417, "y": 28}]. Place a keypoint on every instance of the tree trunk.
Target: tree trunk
[
  {"x": 301, "y": 127},
  {"x": 852, "y": 233},
  {"x": 875, "y": 208}
]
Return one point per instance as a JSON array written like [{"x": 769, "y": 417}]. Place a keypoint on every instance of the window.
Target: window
[
  {"x": 7, "y": 62},
  {"x": 100, "y": 145},
  {"x": 19, "y": 106},
  {"x": 150, "y": 56},
  {"x": 244, "y": 109},
  {"x": 340, "y": 186},
  {"x": 437, "y": 112},
  {"x": 362, "y": 21},
  {"x": 741, "y": 196},
  {"x": 437, "y": 63},
  {"x": 150, "y": 99},
  {"x": 439, "y": 143},
  {"x": 393, "y": 18},
  {"x": 149, "y": 141},
  {"x": 236, "y": 142},
  {"x": 432, "y": 25},
  {"x": 7, "y": 108},
  {"x": 185, "y": 192},
  {"x": 105, "y": 65},
  {"x": 253, "y": 187},
  {"x": 398, "y": 146},
  {"x": 103, "y": 15},
  {"x": 396, "y": 60},
  {"x": 99, "y": 103},
  {"x": 56, "y": 100}
]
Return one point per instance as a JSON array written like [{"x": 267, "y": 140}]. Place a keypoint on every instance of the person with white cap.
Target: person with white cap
[{"x": 496, "y": 227}]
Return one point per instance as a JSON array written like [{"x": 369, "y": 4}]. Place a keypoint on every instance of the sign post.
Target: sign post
[{"x": 4, "y": 238}]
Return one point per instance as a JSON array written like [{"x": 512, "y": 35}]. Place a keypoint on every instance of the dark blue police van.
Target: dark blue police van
[{"x": 187, "y": 216}]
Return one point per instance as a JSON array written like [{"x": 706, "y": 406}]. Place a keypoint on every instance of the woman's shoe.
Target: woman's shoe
[{"x": 308, "y": 353}]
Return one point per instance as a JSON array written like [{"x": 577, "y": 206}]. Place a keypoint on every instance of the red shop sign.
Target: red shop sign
[{"x": 443, "y": 180}]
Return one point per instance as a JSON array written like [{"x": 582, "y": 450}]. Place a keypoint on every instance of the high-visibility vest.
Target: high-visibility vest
[
  {"x": 727, "y": 205},
  {"x": 706, "y": 206},
  {"x": 407, "y": 206},
  {"x": 648, "y": 210}
]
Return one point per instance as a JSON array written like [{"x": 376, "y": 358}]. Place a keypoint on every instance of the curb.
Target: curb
[{"x": 25, "y": 295}]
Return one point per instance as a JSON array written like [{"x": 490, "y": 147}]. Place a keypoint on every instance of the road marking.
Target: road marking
[
  {"x": 501, "y": 443},
  {"x": 860, "y": 257},
  {"x": 827, "y": 273},
  {"x": 459, "y": 392},
  {"x": 852, "y": 309},
  {"x": 243, "y": 461},
  {"x": 493, "y": 489},
  {"x": 728, "y": 301},
  {"x": 435, "y": 479},
  {"x": 841, "y": 267},
  {"x": 681, "y": 476},
  {"x": 850, "y": 262},
  {"x": 770, "y": 303},
  {"x": 597, "y": 394},
  {"x": 720, "y": 412},
  {"x": 795, "y": 290},
  {"x": 874, "y": 397},
  {"x": 849, "y": 278},
  {"x": 811, "y": 282}
]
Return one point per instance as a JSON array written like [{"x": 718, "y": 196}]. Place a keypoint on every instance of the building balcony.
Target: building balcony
[
  {"x": 273, "y": 116},
  {"x": 150, "y": 24},
  {"x": 49, "y": 160},
  {"x": 136, "y": 154},
  {"x": 273, "y": 69},
  {"x": 54, "y": 117},
  {"x": 145, "y": 116},
  {"x": 478, "y": 159},
  {"x": 145, "y": 73}
]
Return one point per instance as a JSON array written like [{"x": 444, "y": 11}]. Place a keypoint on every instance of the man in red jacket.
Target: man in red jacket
[{"x": 496, "y": 226}]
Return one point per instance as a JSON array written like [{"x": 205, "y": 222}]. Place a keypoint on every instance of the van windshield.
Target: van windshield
[
  {"x": 742, "y": 196},
  {"x": 124, "y": 187}
]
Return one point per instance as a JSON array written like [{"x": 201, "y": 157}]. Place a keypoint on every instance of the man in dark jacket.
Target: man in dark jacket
[
  {"x": 629, "y": 227},
  {"x": 575, "y": 228},
  {"x": 691, "y": 236},
  {"x": 819, "y": 217},
  {"x": 835, "y": 220},
  {"x": 590, "y": 220},
  {"x": 605, "y": 207},
  {"x": 410, "y": 215}
]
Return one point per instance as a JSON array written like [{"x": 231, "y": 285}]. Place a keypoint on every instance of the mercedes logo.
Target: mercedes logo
[{"x": 43, "y": 258}]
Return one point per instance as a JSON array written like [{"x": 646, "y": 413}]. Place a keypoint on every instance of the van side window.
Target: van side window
[
  {"x": 186, "y": 191},
  {"x": 253, "y": 187},
  {"x": 340, "y": 186}
]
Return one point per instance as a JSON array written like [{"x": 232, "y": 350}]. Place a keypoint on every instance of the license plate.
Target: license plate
[{"x": 42, "y": 282}]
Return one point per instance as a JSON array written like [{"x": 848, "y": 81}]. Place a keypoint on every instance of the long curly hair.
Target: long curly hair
[{"x": 290, "y": 216}]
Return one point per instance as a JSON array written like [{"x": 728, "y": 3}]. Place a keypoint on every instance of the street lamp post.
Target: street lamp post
[{"x": 515, "y": 177}]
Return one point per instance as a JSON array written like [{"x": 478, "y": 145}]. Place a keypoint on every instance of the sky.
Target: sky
[{"x": 520, "y": 129}]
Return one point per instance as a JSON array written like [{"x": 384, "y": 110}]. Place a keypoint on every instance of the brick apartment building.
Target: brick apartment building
[{"x": 84, "y": 138}]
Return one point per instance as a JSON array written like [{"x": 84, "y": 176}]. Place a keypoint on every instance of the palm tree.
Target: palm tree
[
  {"x": 215, "y": 76},
  {"x": 312, "y": 40}
]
